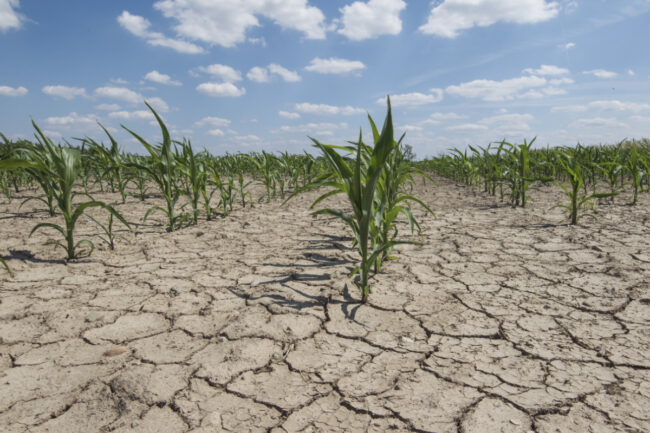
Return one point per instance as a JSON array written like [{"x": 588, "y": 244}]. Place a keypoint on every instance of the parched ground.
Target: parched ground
[{"x": 504, "y": 321}]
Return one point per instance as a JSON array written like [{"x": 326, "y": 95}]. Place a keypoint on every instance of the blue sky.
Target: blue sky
[{"x": 264, "y": 74}]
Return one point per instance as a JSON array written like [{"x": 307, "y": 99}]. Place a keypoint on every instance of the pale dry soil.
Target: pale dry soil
[{"x": 505, "y": 320}]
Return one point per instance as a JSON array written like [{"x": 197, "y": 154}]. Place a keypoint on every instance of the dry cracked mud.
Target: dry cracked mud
[{"x": 505, "y": 320}]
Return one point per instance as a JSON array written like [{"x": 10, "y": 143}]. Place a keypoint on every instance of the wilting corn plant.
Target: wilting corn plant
[
  {"x": 163, "y": 171},
  {"x": 573, "y": 170},
  {"x": 62, "y": 166}
]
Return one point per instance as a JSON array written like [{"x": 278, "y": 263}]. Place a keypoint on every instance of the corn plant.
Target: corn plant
[
  {"x": 358, "y": 180},
  {"x": 6, "y": 266},
  {"x": 109, "y": 235},
  {"x": 194, "y": 178},
  {"x": 111, "y": 162},
  {"x": 635, "y": 167},
  {"x": 62, "y": 165},
  {"x": 570, "y": 164},
  {"x": 265, "y": 163},
  {"x": 163, "y": 171}
]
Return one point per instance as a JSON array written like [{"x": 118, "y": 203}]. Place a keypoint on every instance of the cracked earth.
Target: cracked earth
[{"x": 503, "y": 321}]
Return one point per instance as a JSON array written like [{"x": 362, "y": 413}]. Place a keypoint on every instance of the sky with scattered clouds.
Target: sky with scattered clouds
[{"x": 265, "y": 74}]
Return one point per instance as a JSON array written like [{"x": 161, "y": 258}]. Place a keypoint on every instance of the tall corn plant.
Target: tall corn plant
[
  {"x": 358, "y": 184},
  {"x": 62, "y": 165},
  {"x": 163, "y": 171}
]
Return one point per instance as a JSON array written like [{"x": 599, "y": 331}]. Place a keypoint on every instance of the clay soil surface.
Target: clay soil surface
[{"x": 504, "y": 321}]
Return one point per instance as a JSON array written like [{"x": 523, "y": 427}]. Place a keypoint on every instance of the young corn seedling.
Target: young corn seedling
[
  {"x": 635, "y": 167},
  {"x": 62, "y": 165},
  {"x": 163, "y": 171},
  {"x": 194, "y": 179},
  {"x": 357, "y": 180},
  {"x": 109, "y": 235},
  {"x": 6, "y": 266},
  {"x": 573, "y": 171}
]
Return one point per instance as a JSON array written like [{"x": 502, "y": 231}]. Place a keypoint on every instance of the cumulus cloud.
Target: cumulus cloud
[
  {"x": 324, "y": 109},
  {"x": 598, "y": 122},
  {"x": 447, "y": 116},
  {"x": 315, "y": 128},
  {"x": 288, "y": 115},
  {"x": 224, "y": 72},
  {"x": 568, "y": 45},
  {"x": 414, "y": 99},
  {"x": 132, "y": 115},
  {"x": 611, "y": 105},
  {"x": 601, "y": 73},
  {"x": 221, "y": 90},
  {"x": 139, "y": 26},
  {"x": 449, "y": 18},
  {"x": 213, "y": 122},
  {"x": 225, "y": 22},
  {"x": 263, "y": 75},
  {"x": 258, "y": 74},
  {"x": 368, "y": 20},
  {"x": 490, "y": 90},
  {"x": 119, "y": 93},
  {"x": 216, "y": 132},
  {"x": 158, "y": 104},
  {"x": 334, "y": 65},
  {"x": 64, "y": 92},
  {"x": 467, "y": 127},
  {"x": 547, "y": 70},
  {"x": 108, "y": 107},
  {"x": 9, "y": 18},
  {"x": 159, "y": 78},
  {"x": 12, "y": 91},
  {"x": 72, "y": 120}
]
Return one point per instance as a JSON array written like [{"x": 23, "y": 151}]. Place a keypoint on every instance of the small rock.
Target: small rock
[
  {"x": 94, "y": 316},
  {"x": 174, "y": 291},
  {"x": 115, "y": 351},
  {"x": 134, "y": 424},
  {"x": 515, "y": 422}
]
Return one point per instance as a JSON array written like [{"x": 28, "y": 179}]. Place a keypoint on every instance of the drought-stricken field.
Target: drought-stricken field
[{"x": 504, "y": 321}]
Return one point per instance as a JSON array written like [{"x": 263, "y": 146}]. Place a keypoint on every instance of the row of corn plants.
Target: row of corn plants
[{"x": 584, "y": 173}]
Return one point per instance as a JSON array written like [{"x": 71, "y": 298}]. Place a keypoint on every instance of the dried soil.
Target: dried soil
[{"x": 505, "y": 320}]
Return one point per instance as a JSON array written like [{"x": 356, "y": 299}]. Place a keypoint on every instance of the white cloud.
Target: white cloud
[
  {"x": 334, "y": 65},
  {"x": 263, "y": 75},
  {"x": 314, "y": 128},
  {"x": 612, "y": 105},
  {"x": 216, "y": 132},
  {"x": 72, "y": 120},
  {"x": 288, "y": 115},
  {"x": 139, "y": 26},
  {"x": 118, "y": 81},
  {"x": 257, "y": 74},
  {"x": 257, "y": 41},
  {"x": 413, "y": 128},
  {"x": 9, "y": 18},
  {"x": 132, "y": 115},
  {"x": 601, "y": 73},
  {"x": 224, "y": 72},
  {"x": 490, "y": 90},
  {"x": 212, "y": 121},
  {"x": 119, "y": 93},
  {"x": 12, "y": 91},
  {"x": 369, "y": 20},
  {"x": 324, "y": 109},
  {"x": 631, "y": 73},
  {"x": 157, "y": 77},
  {"x": 597, "y": 122},
  {"x": 568, "y": 45},
  {"x": 414, "y": 99},
  {"x": 508, "y": 124},
  {"x": 64, "y": 92},
  {"x": 449, "y": 18},
  {"x": 467, "y": 127},
  {"x": 547, "y": 70},
  {"x": 287, "y": 75},
  {"x": 447, "y": 116},
  {"x": 221, "y": 90},
  {"x": 225, "y": 22},
  {"x": 249, "y": 137},
  {"x": 108, "y": 107}
]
